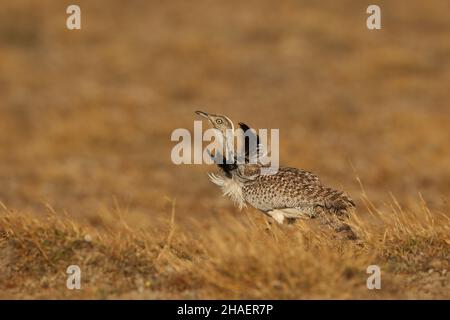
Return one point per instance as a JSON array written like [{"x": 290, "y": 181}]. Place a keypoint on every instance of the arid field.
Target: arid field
[{"x": 86, "y": 176}]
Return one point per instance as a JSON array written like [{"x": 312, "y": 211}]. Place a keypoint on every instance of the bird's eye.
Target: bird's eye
[{"x": 219, "y": 121}]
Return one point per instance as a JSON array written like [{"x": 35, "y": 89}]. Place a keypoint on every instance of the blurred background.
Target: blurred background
[{"x": 86, "y": 115}]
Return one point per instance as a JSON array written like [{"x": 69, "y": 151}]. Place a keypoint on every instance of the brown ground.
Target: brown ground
[{"x": 86, "y": 118}]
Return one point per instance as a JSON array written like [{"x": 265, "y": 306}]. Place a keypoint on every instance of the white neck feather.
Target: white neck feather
[{"x": 231, "y": 187}]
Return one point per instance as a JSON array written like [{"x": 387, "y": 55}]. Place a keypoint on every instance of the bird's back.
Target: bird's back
[{"x": 294, "y": 188}]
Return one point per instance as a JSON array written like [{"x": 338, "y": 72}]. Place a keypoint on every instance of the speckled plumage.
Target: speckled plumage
[{"x": 289, "y": 193}]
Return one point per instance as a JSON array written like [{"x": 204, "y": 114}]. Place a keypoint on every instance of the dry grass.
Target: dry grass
[
  {"x": 227, "y": 258},
  {"x": 85, "y": 125}
]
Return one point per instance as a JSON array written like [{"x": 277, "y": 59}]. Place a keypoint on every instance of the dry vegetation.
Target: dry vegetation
[
  {"x": 227, "y": 258},
  {"x": 85, "y": 170}
]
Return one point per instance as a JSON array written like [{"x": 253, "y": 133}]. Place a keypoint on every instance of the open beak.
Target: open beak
[{"x": 202, "y": 114}]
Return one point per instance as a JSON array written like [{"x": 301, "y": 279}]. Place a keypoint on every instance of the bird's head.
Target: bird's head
[{"x": 217, "y": 121}]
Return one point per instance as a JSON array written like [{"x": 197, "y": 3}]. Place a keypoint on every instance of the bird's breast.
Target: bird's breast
[{"x": 231, "y": 187}]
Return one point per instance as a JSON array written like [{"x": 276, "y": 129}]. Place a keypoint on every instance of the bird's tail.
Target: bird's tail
[{"x": 338, "y": 202}]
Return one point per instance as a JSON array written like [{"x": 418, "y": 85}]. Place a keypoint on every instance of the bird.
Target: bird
[{"x": 287, "y": 194}]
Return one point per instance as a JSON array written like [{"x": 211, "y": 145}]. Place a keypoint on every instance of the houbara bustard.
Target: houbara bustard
[{"x": 289, "y": 193}]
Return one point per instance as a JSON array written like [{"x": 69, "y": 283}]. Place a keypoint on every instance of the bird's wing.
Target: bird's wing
[
  {"x": 297, "y": 189},
  {"x": 300, "y": 175}
]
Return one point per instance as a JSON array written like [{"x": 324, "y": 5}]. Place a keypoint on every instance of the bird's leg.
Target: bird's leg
[{"x": 291, "y": 220}]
